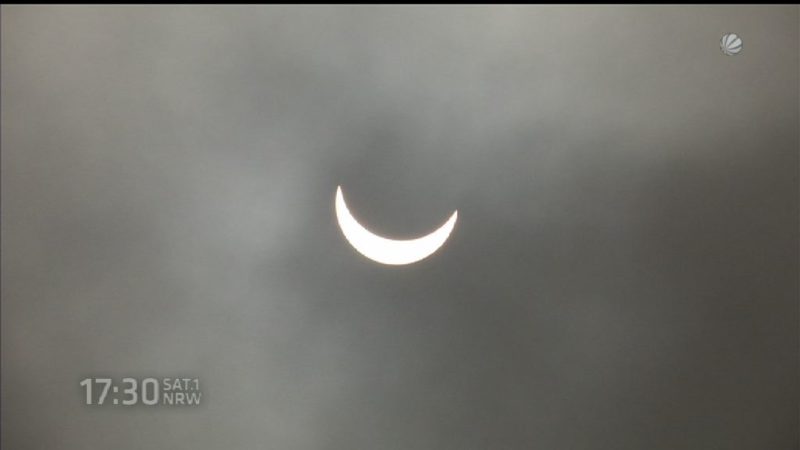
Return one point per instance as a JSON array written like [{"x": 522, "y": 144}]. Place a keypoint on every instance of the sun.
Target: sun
[{"x": 389, "y": 251}]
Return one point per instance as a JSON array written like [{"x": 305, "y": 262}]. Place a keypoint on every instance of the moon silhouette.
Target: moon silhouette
[{"x": 389, "y": 251}]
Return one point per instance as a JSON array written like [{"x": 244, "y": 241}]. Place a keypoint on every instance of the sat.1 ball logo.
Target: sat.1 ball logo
[{"x": 730, "y": 44}]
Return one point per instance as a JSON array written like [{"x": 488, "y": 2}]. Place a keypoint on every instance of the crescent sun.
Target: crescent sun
[{"x": 389, "y": 251}]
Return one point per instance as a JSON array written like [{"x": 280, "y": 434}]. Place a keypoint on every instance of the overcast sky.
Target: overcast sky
[{"x": 623, "y": 273}]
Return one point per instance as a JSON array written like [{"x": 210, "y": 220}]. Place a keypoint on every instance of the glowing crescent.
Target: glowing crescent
[{"x": 389, "y": 251}]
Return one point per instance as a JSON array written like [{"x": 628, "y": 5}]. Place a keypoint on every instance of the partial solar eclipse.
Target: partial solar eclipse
[{"x": 389, "y": 251}]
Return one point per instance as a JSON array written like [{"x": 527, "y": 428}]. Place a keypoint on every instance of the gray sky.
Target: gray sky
[{"x": 623, "y": 274}]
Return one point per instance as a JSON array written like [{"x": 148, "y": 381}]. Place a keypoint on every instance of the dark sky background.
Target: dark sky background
[{"x": 623, "y": 274}]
